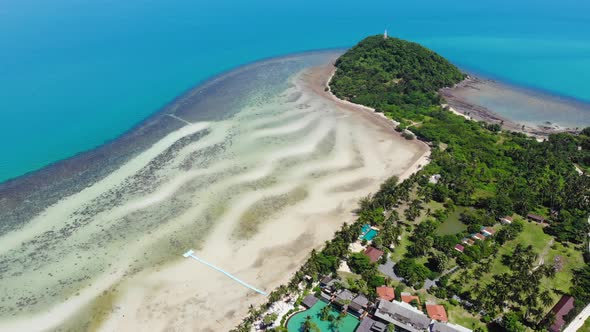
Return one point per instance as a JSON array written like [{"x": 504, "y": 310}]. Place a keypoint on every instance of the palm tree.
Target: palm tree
[
  {"x": 336, "y": 322},
  {"x": 546, "y": 299},
  {"x": 325, "y": 313}
]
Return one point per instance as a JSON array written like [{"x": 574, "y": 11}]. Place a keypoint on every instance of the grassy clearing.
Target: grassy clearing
[
  {"x": 399, "y": 251},
  {"x": 585, "y": 327},
  {"x": 460, "y": 316},
  {"x": 452, "y": 225},
  {"x": 571, "y": 258},
  {"x": 533, "y": 235}
]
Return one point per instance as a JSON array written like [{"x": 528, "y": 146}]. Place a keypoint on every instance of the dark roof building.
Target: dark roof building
[
  {"x": 373, "y": 253},
  {"x": 327, "y": 281},
  {"x": 560, "y": 310},
  {"x": 402, "y": 315},
  {"x": 535, "y": 217},
  {"x": 309, "y": 301},
  {"x": 359, "y": 304},
  {"x": 344, "y": 297},
  {"x": 369, "y": 325}
]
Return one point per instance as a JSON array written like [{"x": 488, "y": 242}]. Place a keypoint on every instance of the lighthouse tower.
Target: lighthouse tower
[{"x": 385, "y": 34}]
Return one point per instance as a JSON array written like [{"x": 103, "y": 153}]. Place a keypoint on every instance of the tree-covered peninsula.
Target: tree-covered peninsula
[{"x": 495, "y": 227}]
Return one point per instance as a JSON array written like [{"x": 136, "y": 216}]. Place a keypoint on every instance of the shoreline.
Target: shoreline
[
  {"x": 418, "y": 164},
  {"x": 458, "y": 103},
  {"x": 181, "y": 293},
  {"x": 266, "y": 260}
]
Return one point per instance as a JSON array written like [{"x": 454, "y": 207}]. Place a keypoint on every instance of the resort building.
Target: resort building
[
  {"x": 560, "y": 310},
  {"x": 344, "y": 298},
  {"x": 535, "y": 217},
  {"x": 437, "y": 312},
  {"x": 459, "y": 248},
  {"x": 359, "y": 305},
  {"x": 408, "y": 298},
  {"x": 385, "y": 293},
  {"x": 447, "y": 327},
  {"x": 468, "y": 242},
  {"x": 407, "y": 318},
  {"x": 487, "y": 231},
  {"x": 506, "y": 220},
  {"x": 370, "y": 325},
  {"x": 374, "y": 254},
  {"x": 309, "y": 301},
  {"x": 327, "y": 281},
  {"x": 402, "y": 315},
  {"x": 478, "y": 236}
]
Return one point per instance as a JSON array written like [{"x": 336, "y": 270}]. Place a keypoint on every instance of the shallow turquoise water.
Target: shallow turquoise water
[
  {"x": 75, "y": 74},
  {"x": 349, "y": 323}
]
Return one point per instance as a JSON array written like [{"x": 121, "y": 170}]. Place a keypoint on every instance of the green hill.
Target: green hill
[{"x": 378, "y": 72}]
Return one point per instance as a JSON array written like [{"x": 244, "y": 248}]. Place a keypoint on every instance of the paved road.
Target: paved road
[{"x": 579, "y": 320}]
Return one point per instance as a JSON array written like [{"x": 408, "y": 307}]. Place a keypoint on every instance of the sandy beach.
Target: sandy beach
[
  {"x": 187, "y": 296},
  {"x": 253, "y": 194}
]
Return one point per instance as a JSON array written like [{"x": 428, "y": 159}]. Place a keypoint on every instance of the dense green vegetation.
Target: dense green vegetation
[
  {"x": 497, "y": 174},
  {"x": 392, "y": 72},
  {"x": 484, "y": 174}
]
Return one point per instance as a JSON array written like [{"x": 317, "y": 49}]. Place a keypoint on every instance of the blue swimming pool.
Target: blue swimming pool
[{"x": 368, "y": 233}]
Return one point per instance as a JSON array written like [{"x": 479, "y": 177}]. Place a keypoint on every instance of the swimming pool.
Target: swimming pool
[
  {"x": 368, "y": 233},
  {"x": 295, "y": 323}
]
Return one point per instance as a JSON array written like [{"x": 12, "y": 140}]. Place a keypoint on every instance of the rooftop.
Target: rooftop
[
  {"x": 370, "y": 325},
  {"x": 385, "y": 293},
  {"x": 535, "y": 217},
  {"x": 402, "y": 315},
  {"x": 448, "y": 327},
  {"x": 562, "y": 308},
  {"x": 373, "y": 253},
  {"x": 488, "y": 230},
  {"x": 437, "y": 312},
  {"x": 408, "y": 298},
  {"x": 309, "y": 301},
  {"x": 344, "y": 295}
]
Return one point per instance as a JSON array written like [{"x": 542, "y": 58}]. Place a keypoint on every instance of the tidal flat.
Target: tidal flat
[{"x": 252, "y": 169}]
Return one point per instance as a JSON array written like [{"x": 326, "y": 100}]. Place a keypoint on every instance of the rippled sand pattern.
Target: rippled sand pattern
[{"x": 281, "y": 161}]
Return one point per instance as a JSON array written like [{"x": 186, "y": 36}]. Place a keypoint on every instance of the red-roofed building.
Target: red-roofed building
[
  {"x": 437, "y": 312},
  {"x": 386, "y": 293},
  {"x": 478, "y": 236},
  {"x": 506, "y": 220},
  {"x": 459, "y": 248},
  {"x": 468, "y": 242},
  {"x": 374, "y": 254},
  {"x": 408, "y": 298},
  {"x": 560, "y": 310},
  {"x": 488, "y": 231}
]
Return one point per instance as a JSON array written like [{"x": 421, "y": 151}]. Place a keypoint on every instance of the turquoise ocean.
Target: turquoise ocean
[{"x": 76, "y": 74}]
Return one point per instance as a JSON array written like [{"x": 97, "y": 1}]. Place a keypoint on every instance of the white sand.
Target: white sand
[
  {"x": 207, "y": 301},
  {"x": 185, "y": 295}
]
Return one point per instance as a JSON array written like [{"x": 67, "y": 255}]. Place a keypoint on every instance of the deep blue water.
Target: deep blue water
[{"x": 74, "y": 74}]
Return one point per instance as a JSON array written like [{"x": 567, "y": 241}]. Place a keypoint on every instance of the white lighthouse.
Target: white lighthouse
[{"x": 385, "y": 34}]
